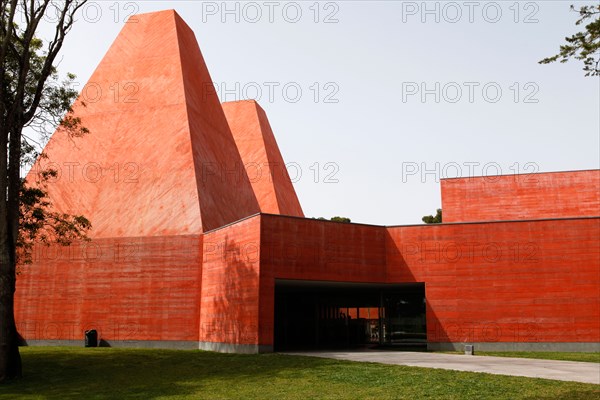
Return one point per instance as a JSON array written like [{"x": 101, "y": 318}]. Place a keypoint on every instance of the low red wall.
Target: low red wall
[
  {"x": 530, "y": 281},
  {"x": 519, "y": 197},
  {"x": 128, "y": 289}
]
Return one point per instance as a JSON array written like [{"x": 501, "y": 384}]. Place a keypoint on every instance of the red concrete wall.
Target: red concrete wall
[
  {"x": 230, "y": 284},
  {"x": 519, "y": 197},
  {"x": 530, "y": 281},
  {"x": 295, "y": 248},
  {"x": 129, "y": 289}
]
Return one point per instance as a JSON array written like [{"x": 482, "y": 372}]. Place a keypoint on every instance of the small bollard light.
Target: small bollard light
[{"x": 469, "y": 349}]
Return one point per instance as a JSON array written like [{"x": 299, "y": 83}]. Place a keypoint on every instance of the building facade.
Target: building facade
[{"x": 199, "y": 240}]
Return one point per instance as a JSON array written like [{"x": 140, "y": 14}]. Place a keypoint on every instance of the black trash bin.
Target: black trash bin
[{"x": 91, "y": 338}]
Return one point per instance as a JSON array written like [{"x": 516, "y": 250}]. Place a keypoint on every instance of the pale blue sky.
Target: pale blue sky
[{"x": 374, "y": 58}]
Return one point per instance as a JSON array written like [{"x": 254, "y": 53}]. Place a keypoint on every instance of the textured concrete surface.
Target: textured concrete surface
[
  {"x": 262, "y": 160},
  {"x": 526, "y": 281},
  {"x": 219, "y": 287},
  {"x": 128, "y": 289},
  {"x": 229, "y": 304},
  {"x": 516, "y": 282},
  {"x": 517, "y": 197},
  {"x": 547, "y": 369}
]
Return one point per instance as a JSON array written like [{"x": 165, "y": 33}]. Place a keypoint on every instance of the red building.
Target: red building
[{"x": 199, "y": 240}]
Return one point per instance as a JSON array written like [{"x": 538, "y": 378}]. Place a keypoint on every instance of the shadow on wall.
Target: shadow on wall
[
  {"x": 417, "y": 260},
  {"x": 459, "y": 308},
  {"x": 230, "y": 313},
  {"x": 401, "y": 272}
]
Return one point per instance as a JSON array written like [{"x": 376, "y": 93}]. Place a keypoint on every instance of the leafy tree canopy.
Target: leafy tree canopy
[
  {"x": 585, "y": 45},
  {"x": 430, "y": 219},
  {"x": 336, "y": 219}
]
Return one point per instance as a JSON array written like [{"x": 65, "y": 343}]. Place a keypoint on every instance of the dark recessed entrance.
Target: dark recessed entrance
[{"x": 327, "y": 315}]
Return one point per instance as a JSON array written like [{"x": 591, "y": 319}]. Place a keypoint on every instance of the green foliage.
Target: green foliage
[
  {"x": 336, "y": 219},
  {"x": 341, "y": 219},
  {"x": 585, "y": 45},
  {"x": 39, "y": 223},
  {"x": 430, "y": 219}
]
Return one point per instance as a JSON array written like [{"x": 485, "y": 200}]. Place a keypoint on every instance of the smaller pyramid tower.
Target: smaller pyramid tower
[{"x": 262, "y": 160}]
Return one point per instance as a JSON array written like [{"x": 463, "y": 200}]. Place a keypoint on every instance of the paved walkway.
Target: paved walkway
[{"x": 549, "y": 369}]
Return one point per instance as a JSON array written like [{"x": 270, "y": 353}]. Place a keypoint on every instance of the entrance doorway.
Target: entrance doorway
[{"x": 333, "y": 315}]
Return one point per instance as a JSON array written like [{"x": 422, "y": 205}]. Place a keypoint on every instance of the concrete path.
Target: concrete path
[{"x": 548, "y": 369}]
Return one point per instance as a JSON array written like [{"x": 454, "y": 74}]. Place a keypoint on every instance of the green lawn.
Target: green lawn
[
  {"x": 585, "y": 357},
  {"x": 104, "y": 373}
]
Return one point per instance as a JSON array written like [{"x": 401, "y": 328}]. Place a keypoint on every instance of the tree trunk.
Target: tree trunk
[
  {"x": 10, "y": 359},
  {"x": 16, "y": 113}
]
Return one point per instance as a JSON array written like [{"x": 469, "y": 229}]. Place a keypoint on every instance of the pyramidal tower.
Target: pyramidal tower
[{"x": 162, "y": 157}]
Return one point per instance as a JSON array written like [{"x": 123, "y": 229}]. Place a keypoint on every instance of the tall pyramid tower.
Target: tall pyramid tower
[{"x": 161, "y": 158}]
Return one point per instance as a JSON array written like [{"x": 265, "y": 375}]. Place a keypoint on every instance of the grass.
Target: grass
[
  {"x": 542, "y": 355},
  {"x": 107, "y": 373}
]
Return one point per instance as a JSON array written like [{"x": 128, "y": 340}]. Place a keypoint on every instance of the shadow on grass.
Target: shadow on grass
[{"x": 109, "y": 373}]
